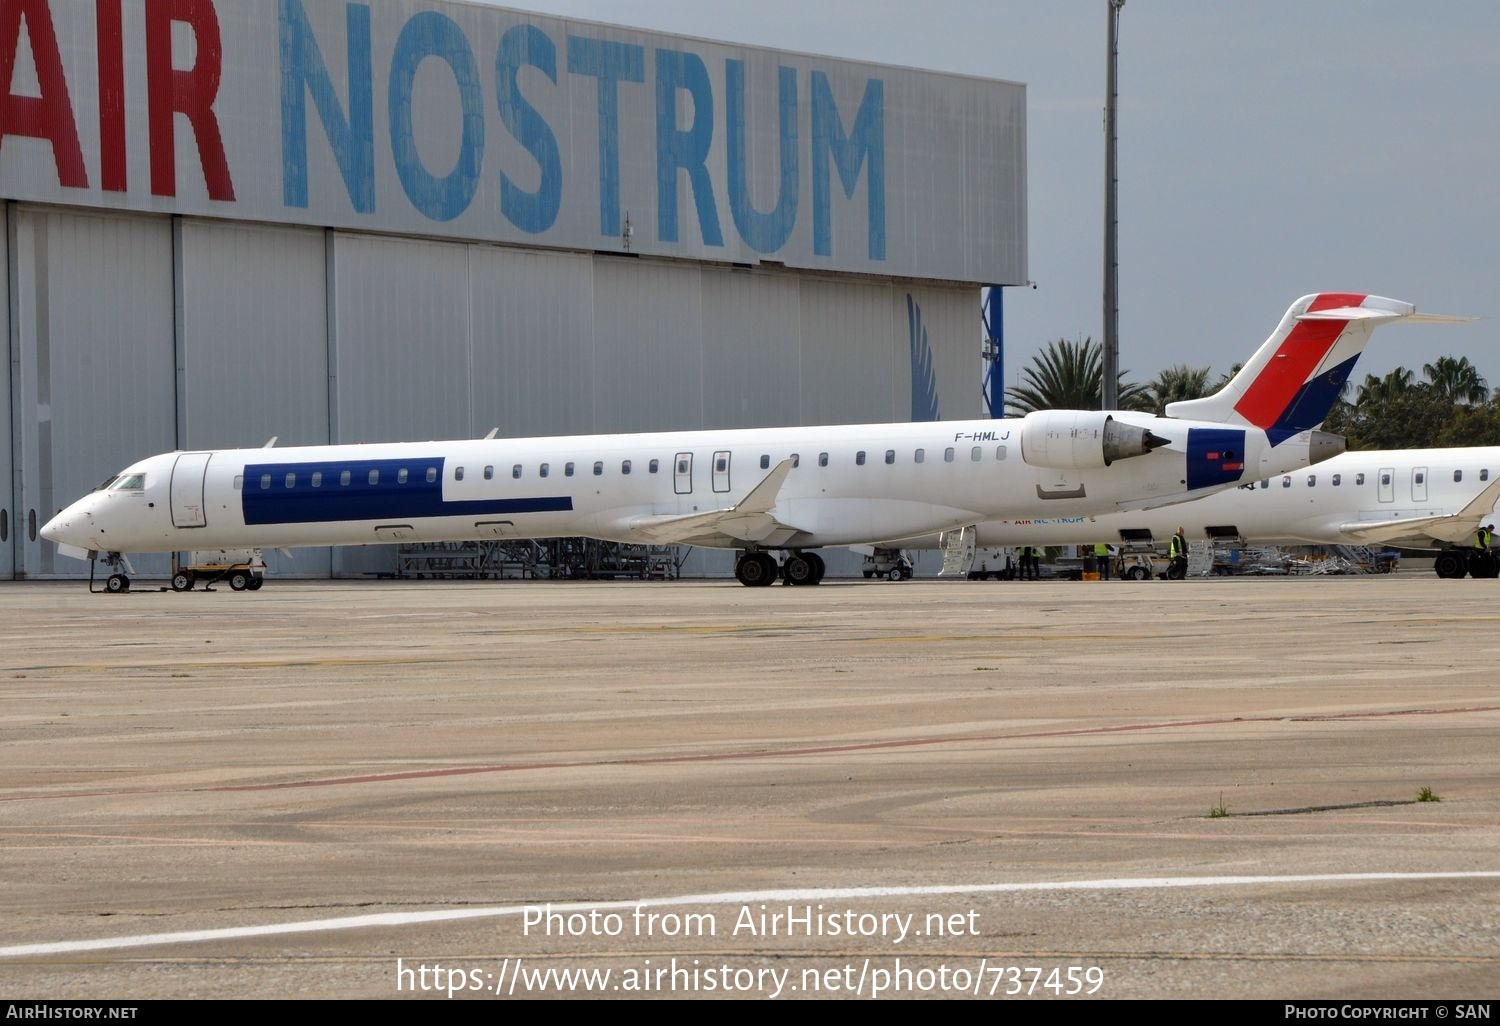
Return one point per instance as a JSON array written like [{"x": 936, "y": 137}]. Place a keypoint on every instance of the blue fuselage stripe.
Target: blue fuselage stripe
[{"x": 268, "y": 498}]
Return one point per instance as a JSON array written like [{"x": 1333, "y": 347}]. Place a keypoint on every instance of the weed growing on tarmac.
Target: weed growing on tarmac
[
  {"x": 1426, "y": 795},
  {"x": 1219, "y": 811}
]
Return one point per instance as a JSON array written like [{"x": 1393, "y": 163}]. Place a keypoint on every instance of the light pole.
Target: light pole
[{"x": 1111, "y": 383}]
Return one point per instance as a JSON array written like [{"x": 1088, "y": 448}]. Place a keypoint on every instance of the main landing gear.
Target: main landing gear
[
  {"x": 758, "y": 569},
  {"x": 1455, "y": 563}
]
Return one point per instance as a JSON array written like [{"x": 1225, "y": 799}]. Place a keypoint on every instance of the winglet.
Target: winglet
[{"x": 1290, "y": 384}]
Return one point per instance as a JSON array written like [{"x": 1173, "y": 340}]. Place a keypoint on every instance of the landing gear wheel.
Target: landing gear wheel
[
  {"x": 256, "y": 580},
  {"x": 797, "y": 570},
  {"x": 182, "y": 581},
  {"x": 818, "y": 566},
  {"x": 117, "y": 583},
  {"x": 755, "y": 570},
  {"x": 239, "y": 580},
  {"x": 1450, "y": 563}
]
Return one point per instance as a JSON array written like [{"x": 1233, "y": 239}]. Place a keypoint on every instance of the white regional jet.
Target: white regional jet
[
  {"x": 1430, "y": 499},
  {"x": 759, "y": 491}
]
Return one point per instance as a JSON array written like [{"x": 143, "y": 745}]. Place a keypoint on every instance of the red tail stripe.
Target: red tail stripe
[{"x": 1294, "y": 362}]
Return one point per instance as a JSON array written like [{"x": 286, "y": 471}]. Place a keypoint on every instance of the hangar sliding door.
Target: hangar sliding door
[
  {"x": 8, "y": 503},
  {"x": 94, "y": 364}
]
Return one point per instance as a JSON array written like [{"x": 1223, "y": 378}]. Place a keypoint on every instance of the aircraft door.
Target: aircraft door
[
  {"x": 1418, "y": 484},
  {"x": 721, "y": 471},
  {"x": 682, "y": 477},
  {"x": 187, "y": 489},
  {"x": 1386, "y": 487}
]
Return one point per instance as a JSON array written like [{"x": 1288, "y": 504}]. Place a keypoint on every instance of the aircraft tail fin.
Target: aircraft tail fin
[{"x": 1294, "y": 378}]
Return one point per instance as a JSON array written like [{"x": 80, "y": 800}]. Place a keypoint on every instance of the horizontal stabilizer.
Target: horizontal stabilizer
[{"x": 749, "y": 520}]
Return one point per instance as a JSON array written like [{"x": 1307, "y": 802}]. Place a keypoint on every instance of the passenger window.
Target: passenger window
[
  {"x": 544, "y": 469},
  {"x": 999, "y": 452},
  {"x": 239, "y": 482},
  {"x": 317, "y": 479},
  {"x": 1359, "y": 479},
  {"x": 598, "y": 469},
  {"x": 1338, "y": 479},
  {"x": 920, "y": 456},
  {"x": 1266, "y": 483},
  {"x": 291, "y": 481},
  {"x": 265, "y": 481},
  {"x": 458, "y": 473},
  {"x": 432, "y": 475},
  {"x": 654, "y": 466},
  {"x": 624, "y": 466},
  {"x": 401, "y": 476},
  {"x": 515, "y": 471},
  {"x": 948, "y": 455},
  {"x": 765, "y": 461},
  {"x": 1484, "y": 475},
  {"x": 977, "y": 453},
  {"x": 345, "y": 478},
  {"x": 796, "y": 461},
  {"x": 822, "y": 459},
  {"x": 374, "y": 477},
  {"x": 890, "y": 456},
  {"x": 1312, "y": 480},
  {"x": 1458, "y": 475},
  {"x": 567, "y": 470},
  {"x": 1286, "y": 482},
  {"x": 859, "y": 458}
]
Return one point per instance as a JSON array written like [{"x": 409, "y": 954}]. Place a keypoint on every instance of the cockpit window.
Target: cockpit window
[
  {"x": 129, "y": 483},
  {"x": 107, "y": 482}
]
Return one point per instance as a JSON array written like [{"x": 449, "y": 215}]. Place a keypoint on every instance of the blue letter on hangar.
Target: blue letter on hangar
[{"x": 706, "y": 130}]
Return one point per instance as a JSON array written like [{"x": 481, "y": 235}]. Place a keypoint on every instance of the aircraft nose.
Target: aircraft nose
[{"x": 70, "y": 527}]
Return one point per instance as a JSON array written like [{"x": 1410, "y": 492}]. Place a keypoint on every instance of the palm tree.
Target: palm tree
[
  {"x": 1069, "y": 376},
  {"x": 1176, "y": 383},
  {"x": 1458, "y": 380},
  {"x": 1393, "y": 386}
]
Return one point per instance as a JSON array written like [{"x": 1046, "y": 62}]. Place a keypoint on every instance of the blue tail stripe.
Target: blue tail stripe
[{"x": 1310, "y": 406}]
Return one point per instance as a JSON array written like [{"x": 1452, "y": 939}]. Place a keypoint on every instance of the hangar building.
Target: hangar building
[{"x": 331, "y": 221}]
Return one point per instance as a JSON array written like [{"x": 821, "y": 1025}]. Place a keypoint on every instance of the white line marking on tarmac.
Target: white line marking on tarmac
[{"x": 729, "y": 898}]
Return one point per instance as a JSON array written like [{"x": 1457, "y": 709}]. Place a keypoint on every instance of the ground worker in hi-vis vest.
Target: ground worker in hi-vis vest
[
  {"x": 1101, "y": 558},
  {"x": 1177, "y": 553}
]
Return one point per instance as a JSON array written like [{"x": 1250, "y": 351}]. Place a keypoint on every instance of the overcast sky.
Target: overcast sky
[{"x": 1267, "y": 149}]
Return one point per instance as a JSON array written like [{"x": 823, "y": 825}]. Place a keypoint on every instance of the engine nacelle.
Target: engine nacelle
[{"x": 1082, "y": 439}]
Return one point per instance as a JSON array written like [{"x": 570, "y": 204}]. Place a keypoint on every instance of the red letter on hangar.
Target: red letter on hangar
[
  {"x": 169, "y": 92},
  {"x": 49, "y": 116}
]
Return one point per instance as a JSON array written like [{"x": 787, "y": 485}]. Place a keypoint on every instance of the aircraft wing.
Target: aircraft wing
[
  {"x": 751, "y": 519},
  {"x": 1448, "y": 527}
]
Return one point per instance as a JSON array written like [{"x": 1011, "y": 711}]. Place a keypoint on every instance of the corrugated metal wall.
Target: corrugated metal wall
[
  {"x": 252, "y": 345},
  {"x": 135, "y": 334},
  {"x": 94, "y": 364},
  {"x": 8, "y": 481}
]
